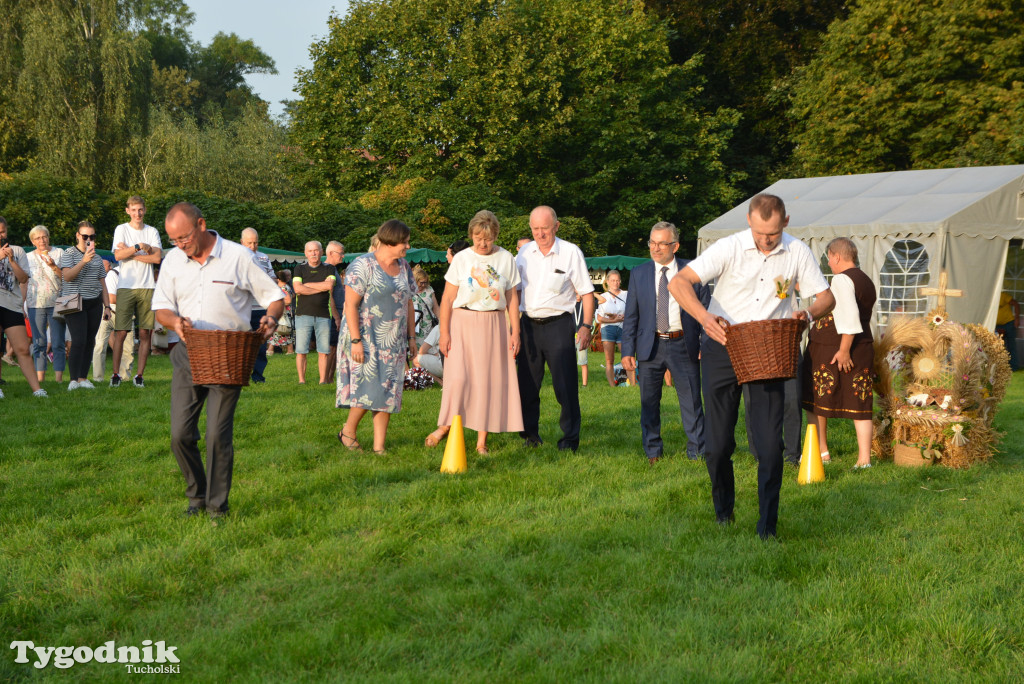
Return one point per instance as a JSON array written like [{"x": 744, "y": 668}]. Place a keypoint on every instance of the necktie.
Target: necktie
[{"x": 663, "y": 301}]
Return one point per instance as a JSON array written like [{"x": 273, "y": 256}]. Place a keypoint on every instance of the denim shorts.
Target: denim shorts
[
  {"x": 304, "y": 328},
  {"x": 611, "y": 333}
]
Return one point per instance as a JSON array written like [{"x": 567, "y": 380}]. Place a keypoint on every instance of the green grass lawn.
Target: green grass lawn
[{"x": 535, "y": 565}]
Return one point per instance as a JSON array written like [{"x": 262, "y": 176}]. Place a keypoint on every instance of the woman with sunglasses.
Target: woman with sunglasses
[{"x": 83, "y": 274}]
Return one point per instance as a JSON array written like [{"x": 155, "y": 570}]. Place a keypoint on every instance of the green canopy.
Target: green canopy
[{"x": 617, "y": 262}]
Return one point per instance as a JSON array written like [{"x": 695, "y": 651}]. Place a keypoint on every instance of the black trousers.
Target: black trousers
[
  {"x": 83, "y": 327},
  {"x": 261, "y": 355},
  {"x": 207, "y": 487},
  {"x": 552, "y": 341},
  {"x": 764, "y": 416}
]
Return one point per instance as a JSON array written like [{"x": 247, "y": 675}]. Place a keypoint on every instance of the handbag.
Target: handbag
[
  {"x": 68, "y": 304},
  {"x": 285, "y": 324}
]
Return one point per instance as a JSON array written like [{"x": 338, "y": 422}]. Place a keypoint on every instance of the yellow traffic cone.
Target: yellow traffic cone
[
  {"x": 811, "y": 467},
  {"x": 454, "y": 460}
]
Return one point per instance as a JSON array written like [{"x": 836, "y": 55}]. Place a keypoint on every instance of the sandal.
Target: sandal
[
  {"x": 483, "y": 450},
  {"x": 825, "y": 458},
  {"x": 433, "y": 439},
  {"x": 351, "y": 444},
  {"x": 380, "y": 452}
]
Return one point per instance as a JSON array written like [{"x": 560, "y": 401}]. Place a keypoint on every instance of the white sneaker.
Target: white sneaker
[
  {"x": 85, "y": 384},
  {"x": 73, "y": 385},
  {"x": 1, "y": 394},
  {"x": 39, "y": 393}
]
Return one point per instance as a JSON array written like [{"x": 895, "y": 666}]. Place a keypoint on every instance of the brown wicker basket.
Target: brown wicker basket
[
  {"x": 909, "y": 456},
  {"x": 222, "y": 357},
  {"x": 764, "y": 350}
]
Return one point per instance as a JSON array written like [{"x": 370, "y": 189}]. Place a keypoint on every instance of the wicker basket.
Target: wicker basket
[
  {"x": 764, "y": 350},
  {"x": 222, "y": 357}
]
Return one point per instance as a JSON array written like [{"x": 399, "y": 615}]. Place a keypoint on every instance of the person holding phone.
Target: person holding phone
[
  {"x": 83, "y": 274},
  {"x": 14, "y": 276}
]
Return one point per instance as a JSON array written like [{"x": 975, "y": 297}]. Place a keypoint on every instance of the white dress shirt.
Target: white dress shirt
[
  {"x": 675, "y": 320},
  {"x": 219, "y": 294},
  {"x": 751, "y": 286},
  {"x": 550, "y": 282}
]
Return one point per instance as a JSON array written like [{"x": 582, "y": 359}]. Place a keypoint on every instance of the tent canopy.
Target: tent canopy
[{"x": 909, "y": 226}]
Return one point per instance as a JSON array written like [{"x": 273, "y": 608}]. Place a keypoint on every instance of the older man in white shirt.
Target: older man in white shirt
[
  {"x": 207, "y": 283},
  {"x": 755, "y": 273},
  {"x": 553, "y": 272}
]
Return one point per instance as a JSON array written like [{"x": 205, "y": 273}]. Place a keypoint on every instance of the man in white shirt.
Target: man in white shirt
[
  {"x": 250, "y": 239},
  {"x": 552, "y": 271},
  {"x": 137, "y": 247},
  {"x": 99, "y": 352},
  {"x": 207, "y": 283},
  {"x": 755, "y": 272}
]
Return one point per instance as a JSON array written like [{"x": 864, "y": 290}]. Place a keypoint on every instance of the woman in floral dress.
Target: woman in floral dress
[
  {"x": 377, "y": 328},
  {"x": 285, "y": 341}
]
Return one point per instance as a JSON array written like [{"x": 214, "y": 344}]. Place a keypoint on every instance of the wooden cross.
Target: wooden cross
[{"x": 942, "y": 292}]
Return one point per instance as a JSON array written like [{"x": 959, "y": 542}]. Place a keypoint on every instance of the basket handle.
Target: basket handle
[{"x": 724, "y": 323}]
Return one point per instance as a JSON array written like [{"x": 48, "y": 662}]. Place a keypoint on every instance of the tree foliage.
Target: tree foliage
[
  {"x": 557, "y": 101},
  {"x": 904, "y": 84},
  {"x": 749, "y": 51}
]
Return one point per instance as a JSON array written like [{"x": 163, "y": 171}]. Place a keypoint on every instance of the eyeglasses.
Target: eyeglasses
[
  {"x": 184, "y": 240},
  {"x": 652, "y": 243},
  {"x": 88, "y": 236}
]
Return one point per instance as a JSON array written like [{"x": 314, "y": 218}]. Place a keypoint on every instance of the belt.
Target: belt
[
  {"x": 548, "y": 319},
  {"x": 671, "y": 335}
]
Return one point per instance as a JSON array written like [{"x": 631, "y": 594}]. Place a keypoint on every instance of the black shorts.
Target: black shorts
[
  {"x": 334, "y": 333},
  {"x": 11, "y": 319}
]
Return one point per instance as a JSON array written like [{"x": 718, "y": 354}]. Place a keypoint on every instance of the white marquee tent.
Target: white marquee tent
[{"x": 909, "y": 226}]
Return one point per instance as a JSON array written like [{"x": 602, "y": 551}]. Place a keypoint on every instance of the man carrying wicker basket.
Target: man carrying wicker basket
[
  {"x": 755, "y": 273},
  {"x": 208, "y": 283}
]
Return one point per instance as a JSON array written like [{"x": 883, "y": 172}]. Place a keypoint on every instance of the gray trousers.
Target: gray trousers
[{"x": 205, "y": 488}]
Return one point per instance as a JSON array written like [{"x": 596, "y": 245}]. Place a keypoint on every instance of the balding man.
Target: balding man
[
  {"x": 313, "y": 282},
  {"x": 553, "y": 272},
  {"x": 251, "y": 241},
  {"x": 207, "y": 283}
]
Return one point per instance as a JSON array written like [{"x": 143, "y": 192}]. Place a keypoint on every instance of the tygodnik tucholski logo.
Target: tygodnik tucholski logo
[{"x": 63, "y": 657}]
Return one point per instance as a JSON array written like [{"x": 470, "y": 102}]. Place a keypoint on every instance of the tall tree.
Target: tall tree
[
  {"x": 574, "y": 103},
  {"x": 750, "y": 50},
  {"x": 82, "y": 88},
  {"x": 906, "y": 84}
]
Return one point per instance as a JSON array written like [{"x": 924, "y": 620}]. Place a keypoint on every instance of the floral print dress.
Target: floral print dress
[{"x": 377, "y": 383}]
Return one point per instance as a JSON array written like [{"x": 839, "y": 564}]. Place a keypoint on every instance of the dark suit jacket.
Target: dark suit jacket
[{"x": 639, "y": 326}]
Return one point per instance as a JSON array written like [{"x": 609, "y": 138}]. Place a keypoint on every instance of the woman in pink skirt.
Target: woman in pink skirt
[{"x": 479, "y": 340}]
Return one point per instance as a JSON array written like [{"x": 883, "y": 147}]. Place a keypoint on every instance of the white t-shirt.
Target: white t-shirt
[
  {"x": 136, "y": 275},
  {"x": 482, "y": 279},
  {"x": 613, "y": 305}
]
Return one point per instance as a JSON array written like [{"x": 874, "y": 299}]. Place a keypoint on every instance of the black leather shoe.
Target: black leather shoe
[
  {"x": 214, "y": 515},
  {"x": 726, "y": 520},
  {"x": 566, "y": 447},
  {"x": 192, "y": 511},
  {"x": 532, "y": 442},
  {"x": 695, "y": 457},
  {"x": 651, "y": 460}
]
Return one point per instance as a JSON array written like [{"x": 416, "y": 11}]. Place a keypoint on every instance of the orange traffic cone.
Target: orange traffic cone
[
  {"x": 454, "y": 460},
  {"x": 811, "y": 467}
]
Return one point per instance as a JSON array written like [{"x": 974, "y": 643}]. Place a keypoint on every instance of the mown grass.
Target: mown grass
[{"x": 535, "y": 565}]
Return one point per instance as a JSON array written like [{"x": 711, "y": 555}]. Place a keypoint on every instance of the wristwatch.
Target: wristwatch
[
  {"x": 584, "y": 325},
  {"x": 357, "y": 340},
  {"x": 136, "y": 247}
]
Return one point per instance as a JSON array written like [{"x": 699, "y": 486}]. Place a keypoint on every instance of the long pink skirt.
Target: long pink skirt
[{"x": 480, "y": 381}]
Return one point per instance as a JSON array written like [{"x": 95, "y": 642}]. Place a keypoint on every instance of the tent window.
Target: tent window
[
  {"x": 903, "y": 274},
  {"x": 1013, "y": 280}
]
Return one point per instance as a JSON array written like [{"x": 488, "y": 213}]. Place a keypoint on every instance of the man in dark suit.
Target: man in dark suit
[{"x": 658, "y": 335}]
